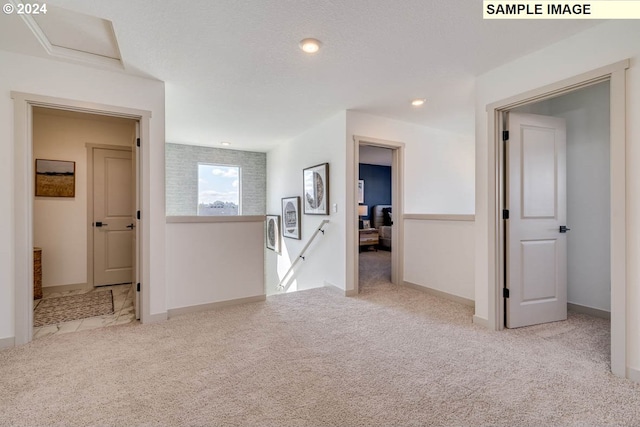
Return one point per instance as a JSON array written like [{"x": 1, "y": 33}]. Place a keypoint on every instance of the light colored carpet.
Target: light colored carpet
[
  {"x": 393, "y": 357},
  {"x": 51, "y": 311}
]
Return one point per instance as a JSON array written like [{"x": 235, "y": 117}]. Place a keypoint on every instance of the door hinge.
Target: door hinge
[
  {"x": 505, "y": 213},
  {"x": 138, "y": 287},
  {"x": 138, "y": 214},
  {"x": 505, "y": 292},
  {"x": 505, "y": 135},
  {"x": 137, "y": 142}
]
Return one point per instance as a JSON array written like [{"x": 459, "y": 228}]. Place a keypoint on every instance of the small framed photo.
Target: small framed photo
[
  {"x": 366, "y": 223},
  {"x": 273, "y": 232},
  {"x": 291, "y": 217},
  {"x": 316, "y": 190},
  {"x": 361, "y": 191},
  {"x": 55, "y": 178}
]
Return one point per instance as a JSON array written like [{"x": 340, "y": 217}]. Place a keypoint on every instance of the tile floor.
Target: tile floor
[{"x": 123, "y": 311}]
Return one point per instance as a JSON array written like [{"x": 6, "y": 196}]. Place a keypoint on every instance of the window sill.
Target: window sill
[{"x": 213, "y": 219}]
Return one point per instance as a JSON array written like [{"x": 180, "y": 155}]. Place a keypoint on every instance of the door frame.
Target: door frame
[
  {"x": 397, "y": 192},
  {"x": 90, "y": 191},
  {"x": 616, "y": 75},
  {"x": 23, "y": 196}
]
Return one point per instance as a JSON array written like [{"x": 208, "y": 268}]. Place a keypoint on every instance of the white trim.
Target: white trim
[
  {"x": 23, "y": 195},
  {"x": 441, "y": 294},
  {"x": 7, "y": 343},
  {"x": 440, "y": 217},
  {"x": 584, "y": 309},
  {"x": 214, "y": 219},
  {"x": 156, "y": 318},
  {"x": 67, "y": 288},
  {"x": 397, "y": 193},
  {"x": 172, "y": 312},
  {"x": 633, "y": 374},
  {"x": 615, "y": 73},
  {"x": 480, "y": 321}
]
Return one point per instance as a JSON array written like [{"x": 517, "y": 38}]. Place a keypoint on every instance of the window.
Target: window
[{"x": 218, "y": 190}]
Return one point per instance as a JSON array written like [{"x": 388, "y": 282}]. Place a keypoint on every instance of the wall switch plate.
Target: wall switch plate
[{"x": 334, "y": 208}]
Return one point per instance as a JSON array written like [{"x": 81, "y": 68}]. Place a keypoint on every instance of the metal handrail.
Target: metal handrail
[{"x": 302, "y": 252}]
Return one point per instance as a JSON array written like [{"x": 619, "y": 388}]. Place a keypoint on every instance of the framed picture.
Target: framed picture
[
  {"x": 55, "y": 178},
  {"x": 291, "y": 217},
  {"x": 316, "y": 190},
  {"x": 366, "y": 223},
  {"x": 361, "y": 191},
  {"x": 273, "y": 232}
]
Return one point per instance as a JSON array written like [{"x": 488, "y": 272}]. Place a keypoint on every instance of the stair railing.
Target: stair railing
[{"x": 301, "y": 256}]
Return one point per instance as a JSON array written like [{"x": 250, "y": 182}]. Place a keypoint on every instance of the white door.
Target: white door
[
  {"x": 536, "y": 199},
  {"x": 112, "y": 220}
]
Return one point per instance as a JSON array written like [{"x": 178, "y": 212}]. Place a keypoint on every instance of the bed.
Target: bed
[{"x": 382, "y": 219}]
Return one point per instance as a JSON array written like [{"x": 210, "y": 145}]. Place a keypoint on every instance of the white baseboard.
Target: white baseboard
[
  {"x": 480, "y": 321},
  {"x": 633, "y": 375},
  {"x": 595, "y": 312},
  {"x": 155, "y": 318},
  {"x": 7, "y": 343},
  {"x": 442, "y": 294},
  {"x": 213, "y": 305}
]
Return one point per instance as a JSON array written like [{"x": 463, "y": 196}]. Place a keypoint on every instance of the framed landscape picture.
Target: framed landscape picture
[
  {"x": 361, "y": 191},
  {"x": 291, "y": 217},
  {"x": 273, "y": 232},
  {"x": 55, "y": 178},
  {"x": 316, "y": 190}
]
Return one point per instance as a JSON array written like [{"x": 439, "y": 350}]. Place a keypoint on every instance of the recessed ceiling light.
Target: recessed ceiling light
[
  {"x": 310, "y": 45},
  {"x": 225, "y": 143},
  {"x": 418, "y": 102}
]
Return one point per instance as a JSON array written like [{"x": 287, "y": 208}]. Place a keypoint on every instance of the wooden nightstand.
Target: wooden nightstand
[{"x": 369, "y": 238}]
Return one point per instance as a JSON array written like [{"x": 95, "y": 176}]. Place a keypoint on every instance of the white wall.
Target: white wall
[
  {"x": 59, "y": 79},
  {"x": 325, "y": 260},
  {"x": 60, "y": 223},
  {"x": 438, "y": 179},
  {"x": 439, "y": 166},
  {"x": 214, "y": 262},
  {"x": 439, "y": 255},
  {"x": 602, "y": 45},
  {"x": 588, "y": 195}
]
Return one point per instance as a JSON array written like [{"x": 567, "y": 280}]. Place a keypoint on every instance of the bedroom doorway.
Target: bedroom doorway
[
  {"x": 377, "y": 211},
  {"x": 375, "y": 214}
]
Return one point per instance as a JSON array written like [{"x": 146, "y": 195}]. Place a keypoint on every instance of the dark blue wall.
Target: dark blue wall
[{"x": 377, "y": 185}]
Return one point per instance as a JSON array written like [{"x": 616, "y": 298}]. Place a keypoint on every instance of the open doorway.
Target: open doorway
[
  {"x": 375, "y": 211},
  {"x": 558, "y": 260},
  {"x": 615, "y": 75},
  {"x": 85, "y": 240},
  {"x": 393, "y": 234}
]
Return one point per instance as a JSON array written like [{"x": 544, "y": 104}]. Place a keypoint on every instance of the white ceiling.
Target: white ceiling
[
  {"x": 234, "y": 72},
  {"x": 375, "y": 155}
]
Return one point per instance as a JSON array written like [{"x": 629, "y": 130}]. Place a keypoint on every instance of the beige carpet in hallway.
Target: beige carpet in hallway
[{"x": 315, "y": 358}]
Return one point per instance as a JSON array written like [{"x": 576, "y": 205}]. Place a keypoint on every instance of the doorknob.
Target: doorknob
[
  {"x": 100, "y": 224},
  {"x": 131, "y": 226},
  {"x": 564, "y": 229}
]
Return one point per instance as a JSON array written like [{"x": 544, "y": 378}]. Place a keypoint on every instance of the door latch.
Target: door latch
[
  {"x": 100, "y": 224},
  {"x": 131, "y": 226},
  {"x": 564, "y": 229}
]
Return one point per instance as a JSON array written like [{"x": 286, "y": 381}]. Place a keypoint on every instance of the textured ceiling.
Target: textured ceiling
[{"x": 234, "y": 72}]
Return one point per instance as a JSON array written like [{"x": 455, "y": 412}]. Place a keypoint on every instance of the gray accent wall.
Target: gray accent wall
[{"x": 182, "y": 177}]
